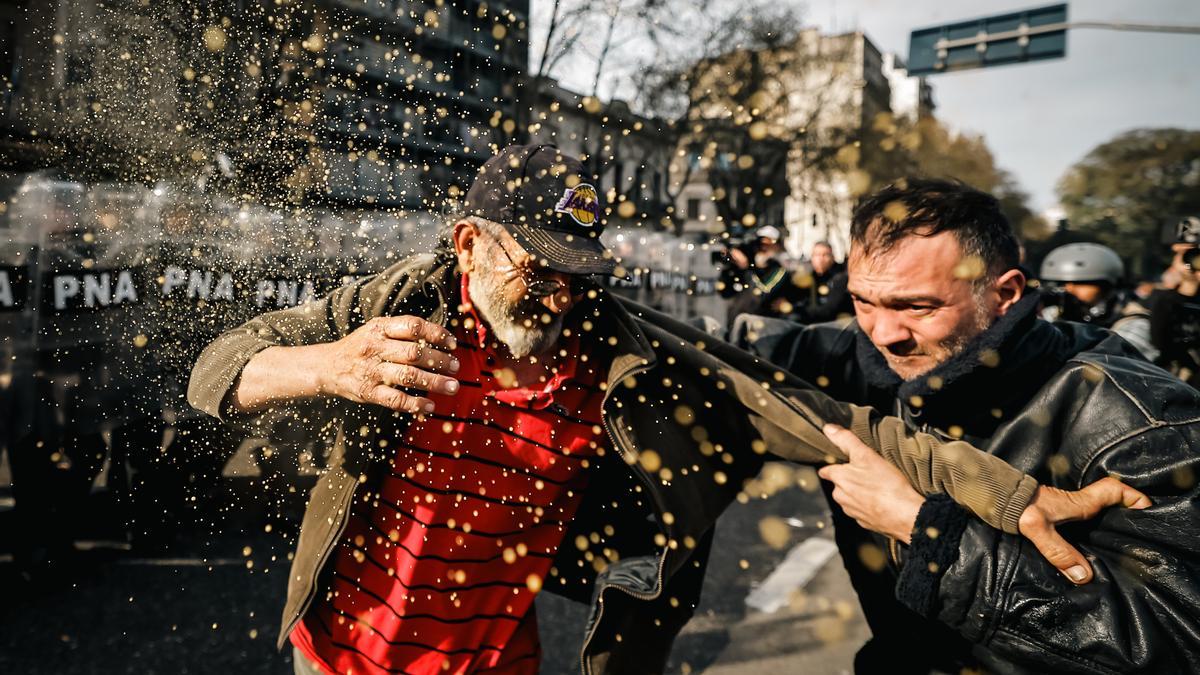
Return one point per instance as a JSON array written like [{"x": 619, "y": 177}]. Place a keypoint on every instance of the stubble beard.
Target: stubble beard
[
  {"x": 507, "y": 321},
  {"x": 953, "y": 345}
]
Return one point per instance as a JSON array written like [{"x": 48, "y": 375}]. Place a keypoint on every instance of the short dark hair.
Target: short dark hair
[{"x": 924, "y": 207}]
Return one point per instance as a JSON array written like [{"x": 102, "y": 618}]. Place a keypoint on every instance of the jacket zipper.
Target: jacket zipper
[{"x": 616, "y": 438}]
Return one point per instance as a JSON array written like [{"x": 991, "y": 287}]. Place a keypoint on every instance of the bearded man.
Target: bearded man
[
  {"x": 507, "y": 426},
  {"x": 948, "y": 337}
]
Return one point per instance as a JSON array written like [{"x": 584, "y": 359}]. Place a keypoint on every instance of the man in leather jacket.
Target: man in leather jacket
[{"x": 947, "y": 338}]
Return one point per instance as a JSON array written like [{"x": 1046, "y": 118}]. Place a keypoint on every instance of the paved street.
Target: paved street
[{"x": 208, "y": 601}]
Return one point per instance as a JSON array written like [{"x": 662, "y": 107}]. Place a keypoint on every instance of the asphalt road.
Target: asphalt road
[{"x": 207, "y": 597}]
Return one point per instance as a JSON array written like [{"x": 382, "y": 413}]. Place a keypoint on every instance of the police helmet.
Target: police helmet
[{"x": 1083, "y": 263}]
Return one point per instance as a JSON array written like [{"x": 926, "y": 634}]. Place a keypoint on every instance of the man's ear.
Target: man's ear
[
  {"x": 465, "y": 235},
  {"x": 1010, "y": 287}
]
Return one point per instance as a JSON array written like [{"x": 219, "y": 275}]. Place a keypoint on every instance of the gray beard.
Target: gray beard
[{"x": 507, "y": 321}]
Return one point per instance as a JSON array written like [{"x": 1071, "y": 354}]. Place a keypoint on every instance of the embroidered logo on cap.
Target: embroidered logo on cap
[{"x": 581, "y": 203}]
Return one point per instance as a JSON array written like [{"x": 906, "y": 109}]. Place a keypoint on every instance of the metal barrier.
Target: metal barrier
[{"x": 669, "y": 273}]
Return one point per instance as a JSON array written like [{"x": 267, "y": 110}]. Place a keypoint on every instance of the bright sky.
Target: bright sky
[{"x": 1039, "y": 118}]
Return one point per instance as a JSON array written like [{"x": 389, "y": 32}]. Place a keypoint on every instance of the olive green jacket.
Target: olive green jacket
[{"x": 690, "y": 419}]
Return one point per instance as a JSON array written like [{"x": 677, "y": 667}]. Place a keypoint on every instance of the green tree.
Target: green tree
[
  {"x": 927, "y": 147},
  {"x": 1126, "y": 190}
]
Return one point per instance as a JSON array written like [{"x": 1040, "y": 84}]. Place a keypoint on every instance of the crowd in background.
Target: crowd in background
[{"x": 1083, "y": 282}]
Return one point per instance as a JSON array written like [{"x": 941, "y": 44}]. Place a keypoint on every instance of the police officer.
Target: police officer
[{"x": 1084, "y": 282}]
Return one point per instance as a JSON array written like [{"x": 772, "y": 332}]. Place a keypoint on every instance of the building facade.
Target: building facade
[
  {"x": 629, "y": 154},
  {"x": 912, "y": 97},
  {"x": 360, "y": 104},
  {"x": 416, "y": 95},
  {"x": 824, "y": 100},
  {"x": 840, "y": 104}
]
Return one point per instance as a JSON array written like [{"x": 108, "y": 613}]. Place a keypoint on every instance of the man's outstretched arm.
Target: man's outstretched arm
[
  {"x": 382, "y": 362},
  {"x": 338, "y": 346}
]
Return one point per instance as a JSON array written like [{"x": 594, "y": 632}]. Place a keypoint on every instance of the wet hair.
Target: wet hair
[{"x": 923, "y": 207}]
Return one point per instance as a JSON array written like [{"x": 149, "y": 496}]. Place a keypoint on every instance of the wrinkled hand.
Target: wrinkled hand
[
  {"x": 386, "y": 353},
  {"x": 870, "y": 489},
  {"x": 1051, "y": 506}
]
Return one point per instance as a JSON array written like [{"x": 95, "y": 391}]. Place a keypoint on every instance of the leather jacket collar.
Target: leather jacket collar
[{"x": 995, "y": 374}]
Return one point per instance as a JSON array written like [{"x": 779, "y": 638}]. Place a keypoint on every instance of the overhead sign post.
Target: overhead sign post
[{"x": 1017, "y": 37}]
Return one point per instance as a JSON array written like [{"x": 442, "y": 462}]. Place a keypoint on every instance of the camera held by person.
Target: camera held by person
[
  {"x": 1175, "y": 310},
  {"x": 755, "y": 278}
]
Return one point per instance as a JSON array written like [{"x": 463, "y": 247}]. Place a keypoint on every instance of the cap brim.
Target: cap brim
[{"x": 563, "y": 251}]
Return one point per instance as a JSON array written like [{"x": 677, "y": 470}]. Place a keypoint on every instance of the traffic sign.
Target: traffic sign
[{"x": 1016, "y": 37}]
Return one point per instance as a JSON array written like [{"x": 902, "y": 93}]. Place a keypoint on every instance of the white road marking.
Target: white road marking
[{"x": 797, "y": 569}]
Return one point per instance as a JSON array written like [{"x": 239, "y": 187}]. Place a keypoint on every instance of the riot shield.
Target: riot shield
[
  {"x": 202, "y": 288},
  {"x": 94, "y": 257},
  {"x": 86, "y": 287},
  {"x": 18, "y": 251}
]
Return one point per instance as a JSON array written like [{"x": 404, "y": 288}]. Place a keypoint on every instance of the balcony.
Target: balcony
[
  {"x": 382, "y": 15},
  {"x": 449, "y": 28},
  {"x": 399, "y": 74},
  {"x": 382, "y": 123}
]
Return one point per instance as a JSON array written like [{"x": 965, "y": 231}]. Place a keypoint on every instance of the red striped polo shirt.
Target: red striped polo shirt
[{"x": 438, "y": 575}]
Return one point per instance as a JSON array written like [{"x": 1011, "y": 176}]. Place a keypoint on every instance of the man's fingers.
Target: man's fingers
[
  {"x": 846, "y": 440},
  {"x": 423, "y": 356},
  {"x": 416, "y": 329},
  {"x": 410, "y": 376},
  {"x": 850, "y": 444},
  {"x": 1106, "y": 492},
  {"x": 1051, "y": 506},
  {"x": 839, "y": 496},
  {"x": 1109, "y": 491},
  {"x": 1133, "y": 499},
  {"x": 1061, "y": 554},
  {"x": 395, "y": 399}
]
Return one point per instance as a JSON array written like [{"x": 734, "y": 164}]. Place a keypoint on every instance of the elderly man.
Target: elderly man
[
  {"x": 506, "y": 426},
  {"x": 948, "y": 337}
]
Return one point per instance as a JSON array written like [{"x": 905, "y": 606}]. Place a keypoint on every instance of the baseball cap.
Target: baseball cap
[{"x": 548, "y": 203}]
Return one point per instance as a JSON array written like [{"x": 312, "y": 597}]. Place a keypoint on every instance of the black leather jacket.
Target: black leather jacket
[{"x": 1069, "y": 404}]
